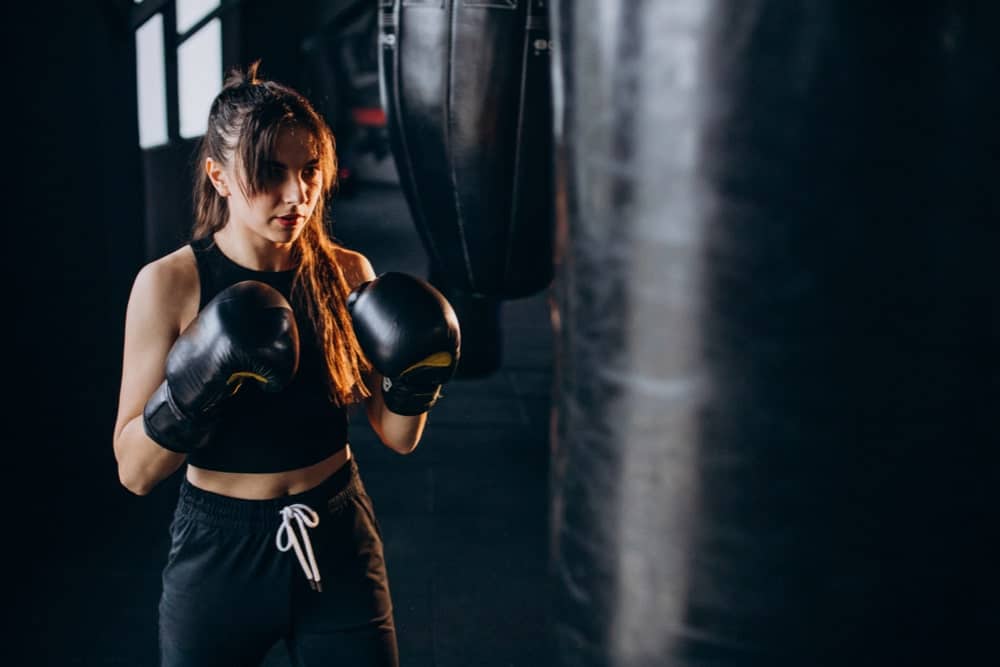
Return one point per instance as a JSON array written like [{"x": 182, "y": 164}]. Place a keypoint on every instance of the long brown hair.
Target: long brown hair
[{"x": 243, "y": 125}]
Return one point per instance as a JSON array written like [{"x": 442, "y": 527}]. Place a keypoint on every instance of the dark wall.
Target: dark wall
[{"x": 73, "y": 241}]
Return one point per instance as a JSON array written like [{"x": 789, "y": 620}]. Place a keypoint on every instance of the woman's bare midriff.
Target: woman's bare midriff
[{"x": 262, "y": 486}]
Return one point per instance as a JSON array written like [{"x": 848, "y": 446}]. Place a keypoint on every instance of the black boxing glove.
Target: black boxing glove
[
  {"x": 247, "y": 332},
  {"x": 410, "y": 333}
]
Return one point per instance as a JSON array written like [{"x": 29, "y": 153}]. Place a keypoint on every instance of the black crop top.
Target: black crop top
[{"x": 261, "y": 432}]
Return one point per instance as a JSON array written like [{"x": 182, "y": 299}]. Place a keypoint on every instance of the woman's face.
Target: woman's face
[{"x": 292, "y": 186}]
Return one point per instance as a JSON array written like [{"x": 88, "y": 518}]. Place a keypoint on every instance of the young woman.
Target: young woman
[{"x": 243, "y": 351}]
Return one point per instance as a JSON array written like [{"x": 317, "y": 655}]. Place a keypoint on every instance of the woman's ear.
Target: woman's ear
[{"x": 218, "y": 177}]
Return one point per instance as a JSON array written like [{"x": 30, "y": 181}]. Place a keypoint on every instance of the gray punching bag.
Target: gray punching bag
[
  {"x": 467, "y": 92},
  {"x": 775, "y": 300}
]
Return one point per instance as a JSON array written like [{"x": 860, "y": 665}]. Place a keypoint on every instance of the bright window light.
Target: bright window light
[
  {"x": 151, "y": 83},
  {"x": 190, "y": 12},
  {"x": 199, "y": 70}
]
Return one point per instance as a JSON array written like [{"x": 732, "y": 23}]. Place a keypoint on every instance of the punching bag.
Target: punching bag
[
  {"x": 466, "y": 86},
  {"x": 774, "y": 300}
]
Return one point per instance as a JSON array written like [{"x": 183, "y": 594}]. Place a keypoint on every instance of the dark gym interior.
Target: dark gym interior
[{"x": 737, "y": 405}]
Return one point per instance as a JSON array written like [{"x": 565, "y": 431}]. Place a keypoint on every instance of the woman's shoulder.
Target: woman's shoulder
[
  {"x": 356, "y": 267},
  {"x": 177, "y": 271},
  {"x": 169, "y": 283}
]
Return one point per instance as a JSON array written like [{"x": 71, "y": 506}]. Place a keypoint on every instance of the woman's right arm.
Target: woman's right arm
[{"x": 160, "y": 299}]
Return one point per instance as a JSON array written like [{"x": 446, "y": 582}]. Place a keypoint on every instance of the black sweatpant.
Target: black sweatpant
[{"x": 229, "y": 594}]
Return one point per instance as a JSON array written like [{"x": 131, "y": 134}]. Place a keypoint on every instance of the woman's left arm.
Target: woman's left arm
[{"x": 399, "y": 433}]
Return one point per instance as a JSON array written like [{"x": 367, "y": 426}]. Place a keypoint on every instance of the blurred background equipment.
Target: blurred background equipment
[
  {"x": 466, "y": 87},
  {"x": 775, "y": 438},
  {"x": 342, "y": 74}
]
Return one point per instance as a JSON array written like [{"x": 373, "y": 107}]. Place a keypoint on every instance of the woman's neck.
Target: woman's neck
[{"x": 258, "y": 254}]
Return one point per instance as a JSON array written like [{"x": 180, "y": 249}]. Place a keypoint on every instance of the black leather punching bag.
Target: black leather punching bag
[
  {"x": 775, "y": 299},
  {"x": 467, "y": 92}
]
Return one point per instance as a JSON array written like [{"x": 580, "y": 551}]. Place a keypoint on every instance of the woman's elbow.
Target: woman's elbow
[
  {"x": 399, "y": 433},
  {"x": 136, "y": 478},
  {"x": 401, "y": 438},
  {"x": 401, "y": 441},
  {"x": 401, "y": 446},
  {"x": 133, "y": 483}
]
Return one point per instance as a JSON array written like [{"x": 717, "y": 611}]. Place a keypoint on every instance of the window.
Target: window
[
  {"x": 151, "y": 81},
  {"x": 199, "y": 73},
  {"x": 178, "y": 67}
]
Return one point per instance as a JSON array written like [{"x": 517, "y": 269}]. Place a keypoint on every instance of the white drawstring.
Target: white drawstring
[{"x": 305, "y": 517}]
